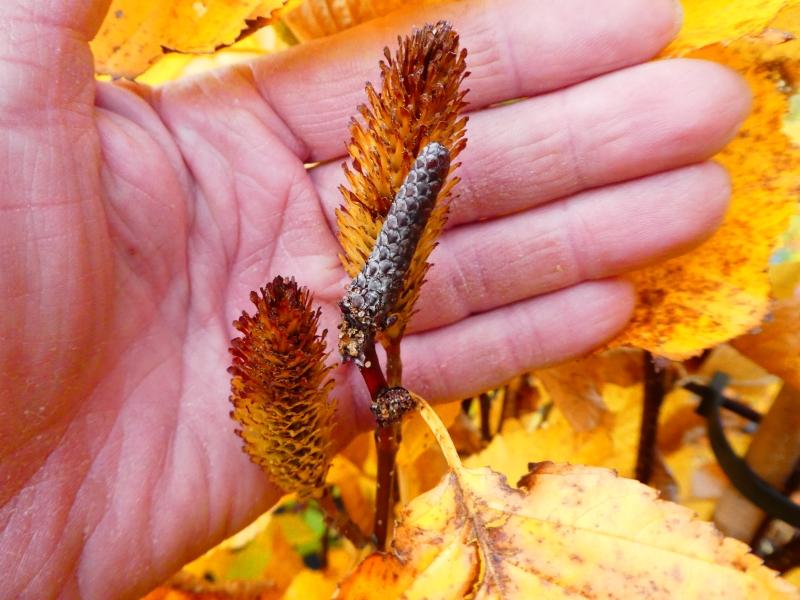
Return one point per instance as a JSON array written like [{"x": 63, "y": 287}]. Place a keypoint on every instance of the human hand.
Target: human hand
[{"x": 135, "y": 222}]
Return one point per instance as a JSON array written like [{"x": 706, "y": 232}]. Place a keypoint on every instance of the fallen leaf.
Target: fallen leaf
[
  {"x": 135, "y": 33},
  {"x": 187, "y": 587},
  {"x": 570, "y": 531},
  {"x": 318, "y": 18},
  {"x": 357, "y": 491},
  {"x": 530, "y": 440},
  {"x": 175, "y": 65},
  {"x": 575, "y": 387},
  {"x": 721, "y": 289},
  {"x": 574, "y": 531},
  {"x": 776, "y": 347},
  {"x": 321, "y": 584},
  {"x": 709, "y": 21},
  {"x": 419, "y": 463}
]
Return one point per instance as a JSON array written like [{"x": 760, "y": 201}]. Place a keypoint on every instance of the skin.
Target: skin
[{"x": 134, "y": 222}]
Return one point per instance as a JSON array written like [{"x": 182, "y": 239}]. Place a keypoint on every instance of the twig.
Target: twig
[
  {"x": 509, "y": 401},
  {"x": 785, "y": 558},
  {"x": 340, "y": 520},
  {"x": 326, "y": 543},
  {"x": 386, "y": 444},
  {"x": 486, "y": 405},
  {"x": 371, "y": 372},
  {"x": 394, "y": 364},
  {"x": 654, "y": 390}
]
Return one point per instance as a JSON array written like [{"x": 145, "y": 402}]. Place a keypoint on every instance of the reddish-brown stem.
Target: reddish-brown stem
[
  {"x": 394, "y": 365},
  {"x": 654, "y": 390},
  {"x": 509, "y": 402},
  {"x": 371, "y": 372},
  {"x": 486, "y": 405},
  {"x": 527, "y": 398},
  {"x": 326, "y": 542},
  {"x": 340, "y": 520},
  {"x": 386, "y": 443}
]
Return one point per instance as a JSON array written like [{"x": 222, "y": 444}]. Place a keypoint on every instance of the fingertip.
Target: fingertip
[
  {"x": 607, "y": 306},
  {"x": 716, "y": 197},
  {"x": 664, "y": 20},
  {"x": 724, "y": 92}
]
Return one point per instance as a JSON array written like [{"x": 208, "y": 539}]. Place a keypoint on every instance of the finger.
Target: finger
[
  {"x": 593, "y": 235},
  {"x": 54, "y": 272},
  {"x": 516, "y": 48},
  {"x": 45, "y": 60},
  {"x": 620, "y": 126},
  {"x": 485, "y": 350}
]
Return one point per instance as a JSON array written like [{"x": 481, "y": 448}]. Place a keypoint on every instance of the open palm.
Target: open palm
[{"x": 134, "y": 222}]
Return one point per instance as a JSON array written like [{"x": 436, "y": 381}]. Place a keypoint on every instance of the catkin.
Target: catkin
[
  {"x": 371, "y": 296},
  {"x": 280, "y": 387}
]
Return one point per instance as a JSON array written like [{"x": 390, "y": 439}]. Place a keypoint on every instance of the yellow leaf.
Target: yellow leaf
[
  {"x": 572, "y": 532},
  {"x": 793, "y": 576},
  {"x": 527, "y": 440},
  {"x": 569, "y": 532},
  {"x": 357, "y": 491},
  {"x": 777, "y": 346},
  {"x": 708, "y": 21},
  {"x": 311, "y": 585},
  {"x": 320, "y": 585},
  {"x": 785, "y": 279},
  {"x": 174, "y": 65},
  {"x": 721, "y": 289},
  {"x": 575, "y": 387},
  {"x": 419, "y": 463},
  {"x": 187, "y": 587},
  {"x": 417, "y": 436},
  {"x": 135, "y": 33},
  {"x": 318, "y": 18}
]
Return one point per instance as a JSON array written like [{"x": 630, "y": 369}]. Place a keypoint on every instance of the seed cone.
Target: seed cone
[
  {"x": 372, "y": 295},
  {"x": 280, "y": 388},
  {"x": 419, "y": 103}
]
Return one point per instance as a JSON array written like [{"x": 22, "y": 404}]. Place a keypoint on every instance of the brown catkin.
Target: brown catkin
[
  {"x": 280, "y": 387},
  {"x": 420, "y": 101},
  {"x": 372, "y": 294}
]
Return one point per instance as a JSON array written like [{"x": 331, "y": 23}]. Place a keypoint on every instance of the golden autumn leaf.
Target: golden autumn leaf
[
  {"x": 321, "y": 584},
  {"x": 135, "y": 33},
  {"x": 529, "y": 439},
  {"x": 776, "y": 347},
  {"x": 568, "y": 531},
  {"x": 187, "y": 587},
  {"x": 576, "y": 386},
  {"x": 721, "y": 289},
  {"x": 174, "y": 65},
  {"x": 357, "y": 490},
  {"x": 318, "y": 18},
  {"x": 575, "y": 389},
  {"x": 709, "y": 21},
  {"x": 420, "y": 465}
]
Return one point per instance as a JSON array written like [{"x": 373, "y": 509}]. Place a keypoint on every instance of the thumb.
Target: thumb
[
  {"x": 52, "y": 221},
  {"x": 45, "y": 60}
]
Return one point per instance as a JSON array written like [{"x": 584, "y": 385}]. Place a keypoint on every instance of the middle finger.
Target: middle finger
[{"x": 629, "y": 124}]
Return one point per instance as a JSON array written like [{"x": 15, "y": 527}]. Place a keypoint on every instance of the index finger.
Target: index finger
[{"x": 516, "y": 48}]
